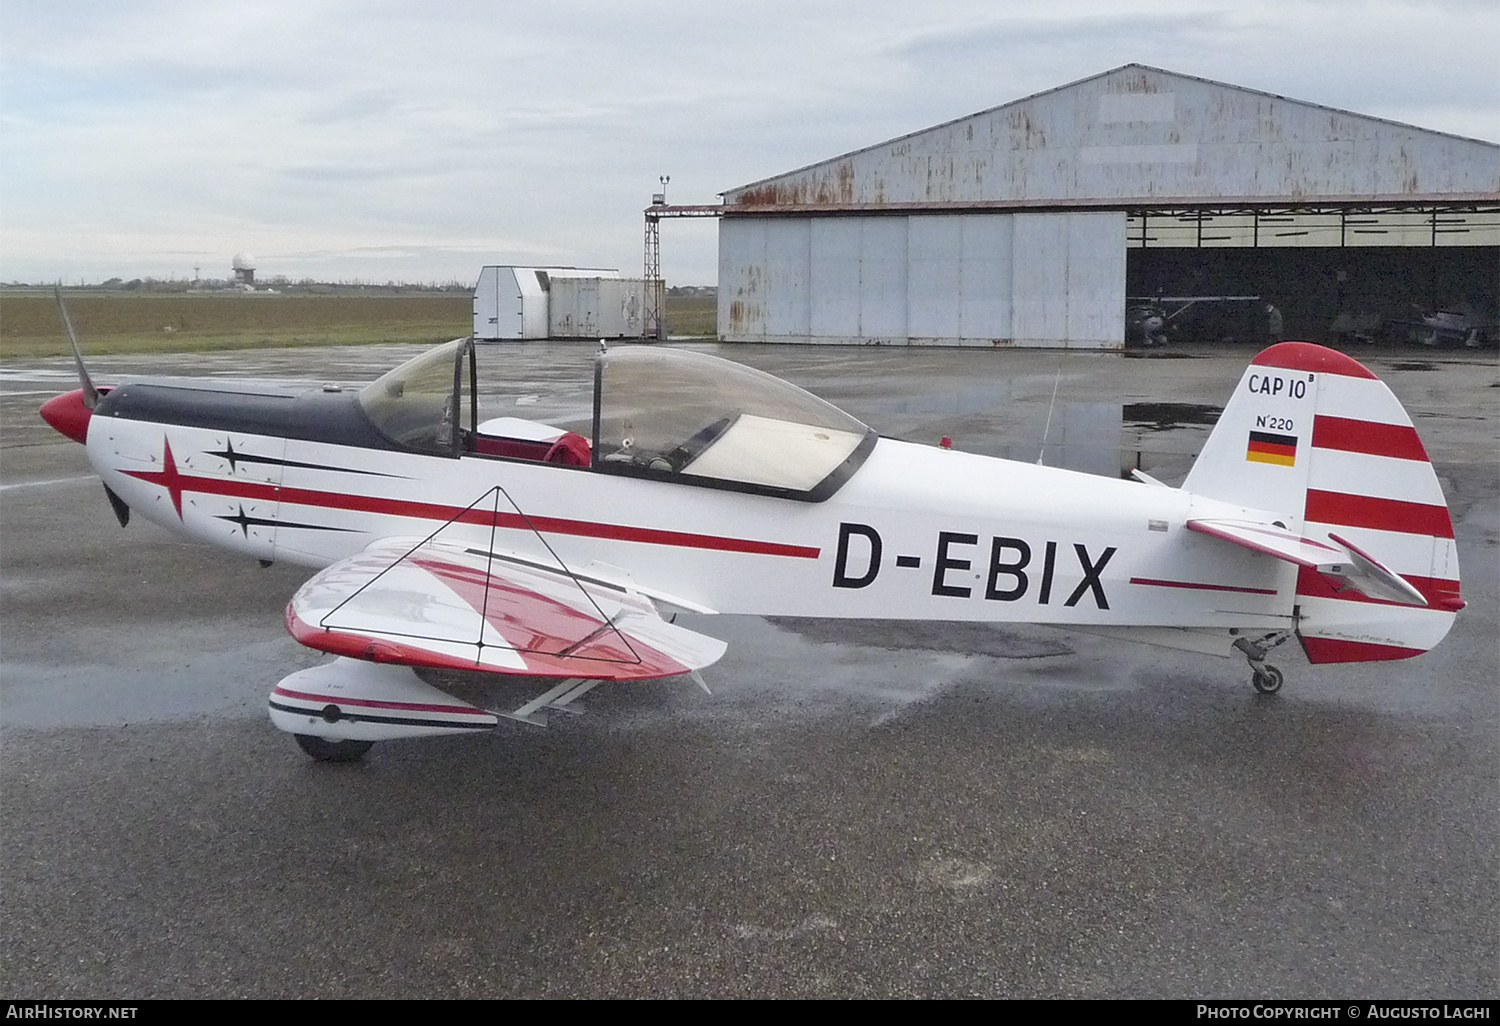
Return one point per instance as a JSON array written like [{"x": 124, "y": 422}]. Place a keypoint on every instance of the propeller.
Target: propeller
[
  {"x": 69, "y": 413},
  {"x": 90, "y": 393}
]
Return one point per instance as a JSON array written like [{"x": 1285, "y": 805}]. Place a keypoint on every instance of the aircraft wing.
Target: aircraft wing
[
  {"x": 432, "y": 603},
  {"x": 1343, "y": 563}
]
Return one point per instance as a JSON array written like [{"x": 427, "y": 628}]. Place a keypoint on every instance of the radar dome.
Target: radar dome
[{"x": 242, "y": 262}]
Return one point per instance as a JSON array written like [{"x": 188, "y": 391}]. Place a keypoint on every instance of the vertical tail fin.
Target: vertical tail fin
[{"x": 1317, "y": 440}]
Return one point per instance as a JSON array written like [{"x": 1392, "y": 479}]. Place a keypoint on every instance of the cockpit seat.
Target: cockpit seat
[
  {"x": 517, "y": 439},
  {"x": 571, "y": 450}
]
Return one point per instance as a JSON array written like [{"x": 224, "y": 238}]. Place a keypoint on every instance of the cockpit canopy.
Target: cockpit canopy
[
  {"x": 416, "y": 405},
  {"x": 687, "y": 416},
  {"x": 665, "y": 414}
]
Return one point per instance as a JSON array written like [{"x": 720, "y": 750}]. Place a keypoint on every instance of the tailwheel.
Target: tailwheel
[
  {"x": 324, "y": 750},
  {"x": 1266, "y": 678}
]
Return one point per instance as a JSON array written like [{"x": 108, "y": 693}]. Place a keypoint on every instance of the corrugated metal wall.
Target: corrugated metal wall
[
  {"x": 512, "y": 302},
  {"x": 595, "y": 307},
  {"x": 1139, "y": 134},
  {"x": 1033, "y": 279},
  {"x": 996, "y": 229}
]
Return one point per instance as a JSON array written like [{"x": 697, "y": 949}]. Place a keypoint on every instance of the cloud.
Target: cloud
[{"x": 443, "y": 136}]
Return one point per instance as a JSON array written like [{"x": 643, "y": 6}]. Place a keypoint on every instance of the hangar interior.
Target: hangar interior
[{"x": 1039, "y": 222}]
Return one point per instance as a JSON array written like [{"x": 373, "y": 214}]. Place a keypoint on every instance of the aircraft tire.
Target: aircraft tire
[
  {"x": 1267, "y": 681},
  {"x": 324, "y": 750}
]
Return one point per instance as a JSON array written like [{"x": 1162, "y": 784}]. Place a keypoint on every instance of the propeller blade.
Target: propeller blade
[{"x": 90, "y": 393}]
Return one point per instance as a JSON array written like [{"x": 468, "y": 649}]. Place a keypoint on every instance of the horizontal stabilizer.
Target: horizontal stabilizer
[
  {"x": 1336, "y": 559},
  {"x": 436, "y": 604}
]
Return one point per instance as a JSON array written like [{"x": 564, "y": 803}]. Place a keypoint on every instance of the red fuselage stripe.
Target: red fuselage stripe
[
  {"x": 1201, "y": 587},
  {"x": 1378, "y": 514},
  {"x": 243, "y": 489},
  {"x": 1366, "y": 436},
  {"x": 370, "y": 703}
]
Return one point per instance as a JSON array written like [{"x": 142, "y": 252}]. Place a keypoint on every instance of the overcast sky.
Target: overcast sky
[{"x": 343, "y": 139}]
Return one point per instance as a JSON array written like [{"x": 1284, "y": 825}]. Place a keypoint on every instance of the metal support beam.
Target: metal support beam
[
  {"x": 653, "y": 319},
  {"x": 653, "y": 323}
]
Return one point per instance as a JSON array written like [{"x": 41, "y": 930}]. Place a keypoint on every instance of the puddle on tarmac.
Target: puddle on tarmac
[
  {"x": 1162, "y": 416},
  {"x": 909, "y": 635}
]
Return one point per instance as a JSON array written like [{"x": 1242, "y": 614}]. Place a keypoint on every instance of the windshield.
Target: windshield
[
  {"x": 688, "y": 416},
  {"x": 416, "y": 404}
]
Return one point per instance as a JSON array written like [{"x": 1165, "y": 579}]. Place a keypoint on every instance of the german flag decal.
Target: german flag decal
[{"x": 1265, "y": 447}]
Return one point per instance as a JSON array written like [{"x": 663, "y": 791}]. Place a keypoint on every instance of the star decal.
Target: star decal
[
  {"x": 244, "y": 521},
  {"x": 167, "y": 476},
  {"x": 234, "y": 458},
  {"x": 227, "y": 454}
]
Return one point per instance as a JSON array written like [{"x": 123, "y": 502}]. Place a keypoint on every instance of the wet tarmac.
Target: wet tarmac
[{"x": 858, "y": 810}]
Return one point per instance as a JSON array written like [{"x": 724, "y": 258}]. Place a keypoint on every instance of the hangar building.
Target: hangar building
[{"x": 1030, "y": 224}]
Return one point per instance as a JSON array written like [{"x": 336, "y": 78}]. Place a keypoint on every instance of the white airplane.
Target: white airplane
[{"x": 515, "y": 547}]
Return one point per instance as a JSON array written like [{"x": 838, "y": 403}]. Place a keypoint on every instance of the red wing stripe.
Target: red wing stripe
[
  {"x": 1366, "y": 436},
  {"x": 529, "y": 621},
  {"x": 386, "y": 650},
  {"x": 243, "y": 489},
  {"x": 1378, "y": 514},
  {"x": 1201, "y": 587}
]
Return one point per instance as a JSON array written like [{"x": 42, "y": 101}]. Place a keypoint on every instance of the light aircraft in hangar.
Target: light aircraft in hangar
[{"x": 514, "y": 547}]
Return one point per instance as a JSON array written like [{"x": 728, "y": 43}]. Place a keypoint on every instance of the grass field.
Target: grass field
[
  {"x": 692, "y": 315},
  {"x": 114, "y": 322},
  {"x": 109, "y": 322}
]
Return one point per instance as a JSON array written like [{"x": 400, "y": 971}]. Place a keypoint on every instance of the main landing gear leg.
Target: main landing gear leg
[{"x": 1266, "y": 678}]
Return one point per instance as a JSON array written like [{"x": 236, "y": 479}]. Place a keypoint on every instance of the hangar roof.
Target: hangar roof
[{"x": 1143, "y": 136}]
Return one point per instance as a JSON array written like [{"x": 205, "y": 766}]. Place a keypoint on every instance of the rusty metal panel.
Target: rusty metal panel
[
  {"x": 573, "y": 308},
  {"x": 1139, "y": 134},
  {"x": 882, "y": 279},
  {"x": 1040, "y": 278},
  {"x": 986, "y": 256},
  {"x": 788, "y": 281},
  {"x": 742, "y": 263},
  {"x": 1069, "y": 280},
  {"x": 595, "y": 307},
  {"x": 833, "y": 273},
  {"x": 622, "y": 303},
  {"x": 935, "y": 276},
  {"x": 1096, "y": 279},
  {"x": 1053, "y": 279},
  {"x": 765, "y": 279}
]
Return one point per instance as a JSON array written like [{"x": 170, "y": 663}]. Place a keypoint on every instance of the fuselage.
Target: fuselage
[{"x": 915, "y": 532}]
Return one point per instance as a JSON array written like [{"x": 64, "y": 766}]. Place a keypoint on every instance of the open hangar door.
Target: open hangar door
[{"x": 1211, "y": 278}]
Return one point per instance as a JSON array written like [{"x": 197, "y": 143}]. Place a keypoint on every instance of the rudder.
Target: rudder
[{"x": 1315, "y": 438}]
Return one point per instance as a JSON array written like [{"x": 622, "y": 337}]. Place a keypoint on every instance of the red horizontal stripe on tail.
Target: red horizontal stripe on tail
[
  {"x": 1366, "y": 436},
  {"x": 1336, "y": 650},
  {"x": 1378, "y": 514},
  {"x": 1440, "y": 592}
]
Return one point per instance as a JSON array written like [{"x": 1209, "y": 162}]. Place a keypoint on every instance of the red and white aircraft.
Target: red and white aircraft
[{"x": 514, "y": 547}]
